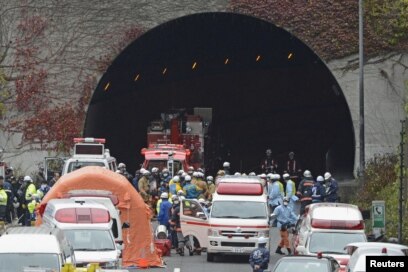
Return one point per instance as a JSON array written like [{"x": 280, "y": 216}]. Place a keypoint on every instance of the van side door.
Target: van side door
[{"x": 194, "y": 221}]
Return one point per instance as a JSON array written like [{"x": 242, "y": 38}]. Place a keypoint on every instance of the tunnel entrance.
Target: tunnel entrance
[{"x": 266, "y": 88}]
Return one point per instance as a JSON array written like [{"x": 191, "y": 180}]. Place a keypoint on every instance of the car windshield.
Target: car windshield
[
  {"x": 25, "y": 261},
  {"x": 239, "y": 209},
  {"x": 79, "y": 164},
  {"x": 333, "y": 242},
  {"x": 304, "y": 265},
  {"x": 90, "y": 239}
]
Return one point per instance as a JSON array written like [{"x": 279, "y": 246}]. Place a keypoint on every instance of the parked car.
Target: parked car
[
  {"x": 40, "y": 247},
  {"x": 317, "y": 263},
  {"x": 357, "y": 262},
  {"x": 352, "y": 247}
]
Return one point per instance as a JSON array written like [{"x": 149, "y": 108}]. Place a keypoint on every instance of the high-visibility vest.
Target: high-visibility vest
[{"x": 3, "y": 198}]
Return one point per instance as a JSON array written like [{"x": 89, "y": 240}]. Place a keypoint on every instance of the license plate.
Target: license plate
[{"x": 238, "y": 250}]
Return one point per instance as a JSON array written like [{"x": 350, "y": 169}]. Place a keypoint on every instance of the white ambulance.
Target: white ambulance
[
  {"x": 327, "y": 228},
  {"x": 237, "y": 218},
  {"x": 87, "y": 226}
]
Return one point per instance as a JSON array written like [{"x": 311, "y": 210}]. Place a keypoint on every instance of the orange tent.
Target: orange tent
[{"x": 139, "y": 249}]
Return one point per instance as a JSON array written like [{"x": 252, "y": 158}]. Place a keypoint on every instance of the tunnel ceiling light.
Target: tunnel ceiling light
[
  {"x": 107, "y": 86},
  {"x": 290, "y": 56},
  {"x": 194, "y": 65},
  {"x": 258, "y": 58},
  {"x": 226, "y": 61},
  {"x": 164, "y": 71},
  {"x": 137, "y": 77}
]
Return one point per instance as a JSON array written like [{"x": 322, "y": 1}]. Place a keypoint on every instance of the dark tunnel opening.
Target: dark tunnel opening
[{"x": 272, "y": 92}]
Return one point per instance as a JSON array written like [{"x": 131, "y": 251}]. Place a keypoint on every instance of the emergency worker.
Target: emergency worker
[
  {"x": 190, "y": 189},
  {"x": 201, "y": 185},
  {"x": 153, "y": 186},
  {"x": 165, "y": 175},
  {"x": 274, "y": 196},
  {"x": 290, "y": 191},
  {"x": 174, "y": 185},
  {"x": 30, "y": 199},
  {"x": 190, "y": 170},
  {"x": 181, "y": 195},
  {"x": 163, "y": 216},
  {"x": 143, "y": 185},
  {"x": 39, "y": 177},
  {"x": 292, "y": 165},
  {"x": 211, "y": 188},
  {"x": 259, "y": 257},
  {"x": 286, "y": 218},
  {"x": 318, "y": 190},
  {"x": 175, "y": 222},
  {"x": 331, "y": 188},
  {"x": 304, "y": 191},
  {"x": 269, "y": 164},
  {"x": 263, "y": 178},
  {"x": 3, "y": 200},
  {"x": 10, "y": 196},
  {"x": 124, "y": 172},
  {"x": 173, "y": 233},
  {"x": 220, "y": 174},
  {"x": 227, "y": 168}
]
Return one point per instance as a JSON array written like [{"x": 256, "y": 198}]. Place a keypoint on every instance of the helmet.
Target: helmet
[
  {"x": 155, "y": 170},
  {"x": 221, "y": 173},
  {"x": 226, "y": 164},
  {"x": 164, "y": 195},
  {"x": 180, "y": 192},
  {"x": 174, "y": 197},
  {"x": 210, "y": 179},
  {"x": 252, "y": 174},
  {"x": 180, "y": 172},
  {"x": 286, "y": 199},
  {"x": 121, "y": 165},
  {"x": 165, "y": 170},
  {"x": 200, "y": 170},
  {"x": 28, "y": 178},
  {"x": 291, "y": 154},
  {"x": 184, "y": 175},
  {"x": 176, "y": 179},
  {"x": 268, "y": 152},
  {"x": 320, "y": 179},
  {"x": 277, "y": 176},
  {"x": 262, "y": 176},
  {"x": 237, "y": 174},
  {"x": 327, "y": 175},
  {"x": 262, "y": 240},
  {"x": 201, "y": 200},
  {"x": 146, "y": 173},
  {"x": 196, "y": 174},
  {"x": 190, "y": 168},
  {"x": 187, "y": 178},
  {"x": 286, "y": 176},
  {"x": 307, "y": 174},
  {"x": 200, "y": 174},
  {"x": 117, "y": 171}
]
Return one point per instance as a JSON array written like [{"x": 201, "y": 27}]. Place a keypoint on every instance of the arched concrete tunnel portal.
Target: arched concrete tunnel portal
[{"x": 266, "y": 88}]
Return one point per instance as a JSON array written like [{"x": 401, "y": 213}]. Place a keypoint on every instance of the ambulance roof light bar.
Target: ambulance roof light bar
[
  {"x": 229, "y": 188},
  {"x": 338, "y": 224},
  {"x": 90, "y": 140},
  {"x": 82, "y": 215}
]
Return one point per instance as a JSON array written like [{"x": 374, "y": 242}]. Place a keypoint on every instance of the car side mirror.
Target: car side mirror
[
  {"x": 201, "y": 215},
  {"x": 125, "y": 225},
  {"x": 301, "y": 249}
]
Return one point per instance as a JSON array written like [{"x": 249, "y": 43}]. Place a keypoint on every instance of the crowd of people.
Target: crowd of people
[{"x": 20, "y": 196}]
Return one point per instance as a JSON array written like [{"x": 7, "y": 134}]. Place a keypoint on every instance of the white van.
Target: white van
[
  {"x": 89, "y": 152},
  {"x": 238, "y": 216},
  {"x": 41, "y": 247},
  {"x": 107, "y": 199},
  {"x": 88, "y": 227},
  {"x": 328, "y": 228}
]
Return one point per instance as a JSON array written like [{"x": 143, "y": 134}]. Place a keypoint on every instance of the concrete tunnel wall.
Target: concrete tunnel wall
[{"x": 288, "y": 100}]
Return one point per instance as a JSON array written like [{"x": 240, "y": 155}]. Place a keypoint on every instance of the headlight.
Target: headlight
[
  {"x": 264, "y": 233},
  {"x": 213, "y": 232}
]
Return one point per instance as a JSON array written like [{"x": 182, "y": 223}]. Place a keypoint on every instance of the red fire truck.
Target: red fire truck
[{"x": 176, "y": 141}]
